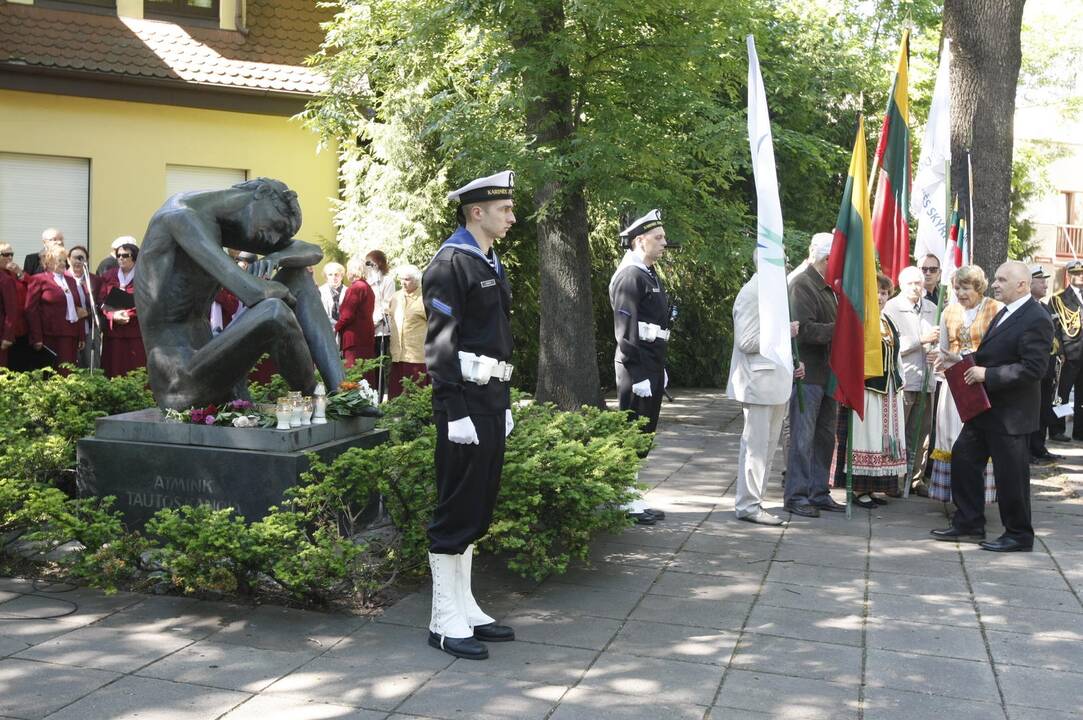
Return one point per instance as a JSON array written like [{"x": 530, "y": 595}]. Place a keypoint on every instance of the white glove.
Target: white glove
[
  {"x": 509, "y": 423},
  {"x": 665, "y": 382},
  {"x": 462, "y": 431},
  {"x": 642, "y": 388}
]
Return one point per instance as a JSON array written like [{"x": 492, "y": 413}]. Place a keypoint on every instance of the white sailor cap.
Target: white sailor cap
[
  {"x": 494, "y": 187},
  {"x": 1037, "y": 271},
  {"x": 644, "y": 224}
]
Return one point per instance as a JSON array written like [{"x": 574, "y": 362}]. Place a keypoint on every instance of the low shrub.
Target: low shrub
[{"x": 565, "y": 476}]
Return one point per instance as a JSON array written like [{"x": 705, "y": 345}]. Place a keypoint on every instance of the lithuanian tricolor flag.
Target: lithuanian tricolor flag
[
  {"x": 851, "y": 272},
  {"x": 890, "y": 225}
]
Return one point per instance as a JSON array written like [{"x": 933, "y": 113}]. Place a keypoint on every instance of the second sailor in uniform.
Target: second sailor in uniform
[{"x": 641, "y": 316}]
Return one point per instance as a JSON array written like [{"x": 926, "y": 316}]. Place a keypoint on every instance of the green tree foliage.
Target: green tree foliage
[{"x": 426, "y": 93}]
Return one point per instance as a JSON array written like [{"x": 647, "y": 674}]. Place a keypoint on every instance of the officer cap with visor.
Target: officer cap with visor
[{"x": 1074, "y": 267}]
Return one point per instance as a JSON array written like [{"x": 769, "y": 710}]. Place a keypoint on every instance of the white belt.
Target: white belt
[
  {"x": 649, "y": 332},
  {"x": 481, "y": 369}
]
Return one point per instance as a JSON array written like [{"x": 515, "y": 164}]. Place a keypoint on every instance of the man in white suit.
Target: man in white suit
[{"x": 763, "y": 388}]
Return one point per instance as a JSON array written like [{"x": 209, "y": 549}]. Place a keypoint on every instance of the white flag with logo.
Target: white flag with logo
[
  {"x": 928, "y": 201},
  {"x": 771, "y": 258}
]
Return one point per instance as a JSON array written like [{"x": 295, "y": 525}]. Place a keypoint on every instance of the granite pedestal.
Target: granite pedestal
[{"x": 149, "y": 463}]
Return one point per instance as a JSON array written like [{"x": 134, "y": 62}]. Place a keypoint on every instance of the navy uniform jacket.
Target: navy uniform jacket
[
  {"x": 637, "y": 295},
  {"x": 468, "y": 302},
  {"x": 1072, "y": 346}
]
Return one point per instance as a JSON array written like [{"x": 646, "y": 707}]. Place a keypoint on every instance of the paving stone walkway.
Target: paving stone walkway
[{"x": 698, "y": 617}]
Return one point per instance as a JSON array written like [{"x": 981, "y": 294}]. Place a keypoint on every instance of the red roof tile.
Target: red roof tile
[{"x": 268, "y": 56}]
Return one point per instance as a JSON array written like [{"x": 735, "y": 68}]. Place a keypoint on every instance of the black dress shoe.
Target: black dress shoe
[
  {"x": 804, "y": 510},
  {"x": 830, "y": 506},
  {"x": 878, "y": 500},
  {"x": 658, "y": 514},
  {"x": 866, "y": 502},
  {"x": 1046, "y": 455},
  {"x": 466, "y": 647},
  {"x": 1005, "y": 544},
  {"x": 1060, "y": 437},
  {"x": 643, "y": 518},
  {"x": 952, "y": 534},
  {"x": 491, "y": 632}
]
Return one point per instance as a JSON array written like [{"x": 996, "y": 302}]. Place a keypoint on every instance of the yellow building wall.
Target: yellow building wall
[{"x": 130, "y": 144}]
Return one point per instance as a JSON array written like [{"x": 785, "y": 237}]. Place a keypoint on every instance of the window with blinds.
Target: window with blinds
[
  {"x": 186, "y": 178},
  {"x": 42, "y": 191}
]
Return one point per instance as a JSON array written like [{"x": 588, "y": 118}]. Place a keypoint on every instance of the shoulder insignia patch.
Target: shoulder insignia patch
[{"x": 441, "y": 306}]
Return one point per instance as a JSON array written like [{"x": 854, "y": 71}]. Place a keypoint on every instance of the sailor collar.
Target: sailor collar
[
  {"x": 632, "y": 259},
  {"x": 462, "y": 239}
]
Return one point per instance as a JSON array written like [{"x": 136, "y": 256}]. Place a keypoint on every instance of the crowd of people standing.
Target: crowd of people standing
[
  {"x": 55, "y": 311},
  {"x": 924, "y": 427}
]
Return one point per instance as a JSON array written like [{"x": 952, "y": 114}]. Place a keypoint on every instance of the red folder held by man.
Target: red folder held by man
[{"x": 970, "y": 400}]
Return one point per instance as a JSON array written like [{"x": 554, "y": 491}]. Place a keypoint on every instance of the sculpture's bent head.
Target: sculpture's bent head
[{"x": 274, "y": 216}]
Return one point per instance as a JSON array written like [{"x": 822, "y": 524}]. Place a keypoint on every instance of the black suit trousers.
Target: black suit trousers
[
  {"x": 1011, "y": 465},
  {"x": 467, "y": 483}
]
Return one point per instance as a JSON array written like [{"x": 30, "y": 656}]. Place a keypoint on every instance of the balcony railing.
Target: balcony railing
[{"x": 1069, "y": 238}]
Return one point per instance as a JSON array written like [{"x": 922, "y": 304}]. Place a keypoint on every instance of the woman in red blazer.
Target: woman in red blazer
[
  {"x": 52, "y": 310},
  {"x": 13, "y": 327},
  {"x": 355, "y": 319},
  {"x": 122, "y": 342},
  {"x": 11, "y": 310}
]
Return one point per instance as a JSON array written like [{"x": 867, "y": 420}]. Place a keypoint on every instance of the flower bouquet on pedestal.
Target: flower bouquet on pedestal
[
  {"x": 353, "y": 399},
  {"x": 235, "y": 413}
]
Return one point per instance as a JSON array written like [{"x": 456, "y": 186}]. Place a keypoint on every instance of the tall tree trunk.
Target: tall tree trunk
[
  {"x": 984, "y": 74},
  {"x": 567, "y": 366}
]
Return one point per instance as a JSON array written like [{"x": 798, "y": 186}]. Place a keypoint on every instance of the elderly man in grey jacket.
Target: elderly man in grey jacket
[
  {"x": 812, "y": 427},
  {"x": 762, "y": 386},
  {"x": 914, "y": 316}
]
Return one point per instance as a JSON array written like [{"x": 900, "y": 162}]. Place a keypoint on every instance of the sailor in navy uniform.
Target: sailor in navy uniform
[
  {"x": 641, "y": 316},
  {"x": 468, "y": 351}
]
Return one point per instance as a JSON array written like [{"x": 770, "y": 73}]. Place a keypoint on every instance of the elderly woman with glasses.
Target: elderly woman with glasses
[
  {"x": 88, "y": 285},
  {"x": 52, "y": 310},
  {"x": 122, "y": 340},
  {"x": 962, "y": 327},
  {"x": 12, "y": 301}
]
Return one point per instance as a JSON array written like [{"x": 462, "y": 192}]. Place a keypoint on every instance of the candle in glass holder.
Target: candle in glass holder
[
  {"x": 319, "y": 410},
  {"x": 283, "y": 413},
  {"x": 306, "y": 412}
]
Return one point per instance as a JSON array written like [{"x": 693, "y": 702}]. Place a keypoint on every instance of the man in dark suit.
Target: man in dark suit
[
  {"x": 50, "y": 237},
  {"x": 1011, "y": 362}
]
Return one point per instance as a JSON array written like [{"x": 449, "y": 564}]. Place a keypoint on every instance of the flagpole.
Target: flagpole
[
  {"x": 850, "y": 467},
  {"x": 970, "y": 178}
]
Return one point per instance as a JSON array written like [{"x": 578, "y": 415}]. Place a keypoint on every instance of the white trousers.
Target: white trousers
[{"x": 763, "y": 424}]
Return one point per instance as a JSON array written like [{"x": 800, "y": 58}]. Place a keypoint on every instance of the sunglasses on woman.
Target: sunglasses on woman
[{"x": 123, "y": 255}]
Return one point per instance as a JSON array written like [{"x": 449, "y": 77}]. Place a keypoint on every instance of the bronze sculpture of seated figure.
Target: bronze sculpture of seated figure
[{"x": 182, "y": 266}]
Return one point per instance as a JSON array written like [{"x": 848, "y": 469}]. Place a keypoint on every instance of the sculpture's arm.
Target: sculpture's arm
[
  {"x": 296, "y": 254},
  {"x": 201, "y": 240}
]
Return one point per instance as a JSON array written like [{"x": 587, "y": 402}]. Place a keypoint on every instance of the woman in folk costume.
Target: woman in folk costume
[
  {"x": 122, "y": 339},
  {"x": 879, "y": 446},
  {"x": 962, "y": 327},
  {"x": 52, "y": 310}
]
